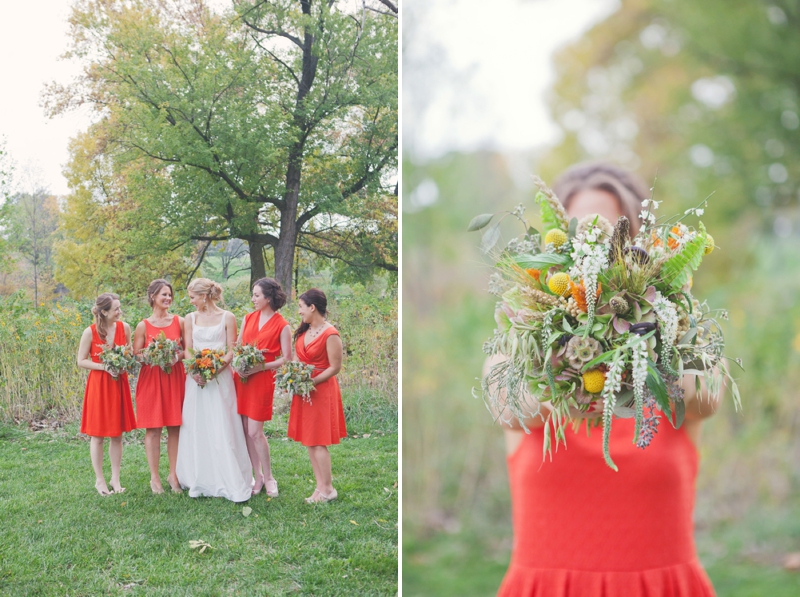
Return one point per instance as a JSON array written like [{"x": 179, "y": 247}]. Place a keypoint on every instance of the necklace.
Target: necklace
[{"x": 316, "y": 333}]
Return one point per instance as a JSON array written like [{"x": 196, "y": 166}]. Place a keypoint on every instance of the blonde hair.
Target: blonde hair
[
  {"x": 209, "y": 288},
  {"x": 628, "y": 188},
  {"x": 103, "y": 303}
]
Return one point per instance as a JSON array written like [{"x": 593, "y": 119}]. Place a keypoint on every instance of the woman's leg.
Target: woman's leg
[
  {"x": 173, "y": 435},
  {"x": 96, "y": 452},
  {"x": 256, "y": 438},
  {"x": 321, "y": 462},
  {"x": 115, "y": 454},
  {"x": 152, "y": 447},
  {"x": 255, "y": 461}
]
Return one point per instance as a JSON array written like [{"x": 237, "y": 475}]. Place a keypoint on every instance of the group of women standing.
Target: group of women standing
[{"x": 215, "y": 431}]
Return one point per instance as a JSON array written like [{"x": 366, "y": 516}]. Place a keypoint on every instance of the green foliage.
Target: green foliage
[
  {"x": 274, "y": 123},
  {"x": 550, "y": 219},
  {"x": 678, "y": 268}
]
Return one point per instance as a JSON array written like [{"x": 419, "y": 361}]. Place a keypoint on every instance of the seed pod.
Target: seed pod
[
  {"x": 642, "y": 328},
  {"x": 637, "y": 254}
]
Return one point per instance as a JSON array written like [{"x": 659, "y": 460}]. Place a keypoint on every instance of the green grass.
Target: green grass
[{"x": 58, "y": 537}]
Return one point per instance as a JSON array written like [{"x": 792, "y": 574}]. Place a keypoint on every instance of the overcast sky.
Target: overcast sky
[{"x": 501, "y": 53}]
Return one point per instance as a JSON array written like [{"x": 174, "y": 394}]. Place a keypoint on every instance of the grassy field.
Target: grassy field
[{"x": 58, "y": 537}]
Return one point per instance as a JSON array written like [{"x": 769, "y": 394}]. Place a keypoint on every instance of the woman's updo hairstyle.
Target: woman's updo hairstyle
[
  {"x": 313, "y": 296},
  {"x": 628, "y": 188},
  {"x": 155, "y": 287},
  {"x": 272, "y": 291},
  {"x": 209, "y": 288},
  {"x": 101, "y": 310}
]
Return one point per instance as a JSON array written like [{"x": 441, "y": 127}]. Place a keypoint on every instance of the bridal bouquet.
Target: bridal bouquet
[
  {"x": 206, "y": 363},
  {"x": 245, "y": 356},
  {"x": 118, "y": 359},
  {"x": 590, "y": 315},
  {"x": 294, "y": 378},
  {"x": 161, "y": 352}
]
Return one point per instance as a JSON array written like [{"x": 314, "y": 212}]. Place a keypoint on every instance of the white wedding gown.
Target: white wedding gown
[{"x": 212, "y": 451}]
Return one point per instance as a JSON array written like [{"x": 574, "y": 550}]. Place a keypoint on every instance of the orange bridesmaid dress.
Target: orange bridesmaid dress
[
  {"x": 254, "y": 399},
  {"x": 107, "y": 405},
  {"x": 320, "y": 422},
  {"x": 582, "y": 530},
  {"x": 159, "y": 396}
]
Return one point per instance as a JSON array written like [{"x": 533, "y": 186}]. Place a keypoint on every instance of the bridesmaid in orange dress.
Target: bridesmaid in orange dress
[
  {"x": 266, "y": 329},
  {"x": 107, "y": 406},
  {"x": 319, "y": 423},
  {"x": 581, "y": 529},
  {"x": 159, "y": 395}
]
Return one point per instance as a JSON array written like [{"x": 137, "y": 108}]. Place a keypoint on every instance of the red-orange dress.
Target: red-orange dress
[
  {"x": 107, "y": 406},
  {"x": 582, "y": 530},
  {"x": 254, "y": 398},
  {"x": 159, "y": 396},
  {"x": 320, "y": 422}
]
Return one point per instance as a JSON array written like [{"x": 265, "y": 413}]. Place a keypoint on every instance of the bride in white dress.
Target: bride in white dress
[{"x": 212, "y": 451}]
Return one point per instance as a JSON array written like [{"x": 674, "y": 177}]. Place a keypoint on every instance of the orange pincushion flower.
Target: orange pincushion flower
[
  {"x": 579, "y": 294},
  {"x": 533, "y": 273},
  {"x": 206, "y": 362}
]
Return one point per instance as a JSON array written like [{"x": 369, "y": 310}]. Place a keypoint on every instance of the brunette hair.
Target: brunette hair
[
  {"x": 211, "y": 289},
  {"x": 155, "y": 287},
  {"x": 103, "y": 303},
  {"x": 272, "y": 291},
  {"x": 312, "y": 296},
  {"x": 628, "y": 188}
]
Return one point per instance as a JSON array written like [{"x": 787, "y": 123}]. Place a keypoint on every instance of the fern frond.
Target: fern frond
[{"x": 676, "y": 270}]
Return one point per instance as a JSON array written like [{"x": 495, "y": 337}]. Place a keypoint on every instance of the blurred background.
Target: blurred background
[{"x": 698, "y": 98}]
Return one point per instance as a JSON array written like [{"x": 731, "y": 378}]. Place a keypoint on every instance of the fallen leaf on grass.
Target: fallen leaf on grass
[
  {"x": 124, "y": 504},
  {"x": 387, "y": 490},
  {"x": 201, "y": 544},
  {"x": 354, "y": 522},
  {"x": 246, "y": 511},
  {"x": 792, "y": 561},
  {"x": 366, "y": 435},
  {"x": 395, "y": 485}
]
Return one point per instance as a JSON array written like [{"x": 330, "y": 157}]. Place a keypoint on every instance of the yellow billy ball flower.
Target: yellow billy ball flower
[
  {"x": 709, "y": 244},
  {"x": 555, "y": 237},
  {"x": 559, "y": 284},
  {"x": 594, "y": 380}
]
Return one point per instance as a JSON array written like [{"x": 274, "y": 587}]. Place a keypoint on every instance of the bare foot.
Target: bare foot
[
  {"x": 156, "y": 486},
  {"x": 258, "y": 485},
  {"x": 117, "y": 487},
  {"x": 174, "y": 484},
  {"x": 102, "y": 488}
]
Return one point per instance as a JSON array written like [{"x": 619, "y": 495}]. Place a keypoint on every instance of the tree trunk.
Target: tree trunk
[{"x": 257, "y": 268}]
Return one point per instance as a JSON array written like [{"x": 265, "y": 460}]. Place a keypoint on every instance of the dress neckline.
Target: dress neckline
[{"x": 207, "y": 327}]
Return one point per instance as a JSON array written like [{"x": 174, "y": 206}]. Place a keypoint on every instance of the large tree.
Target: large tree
[{"x": 250, "y": 125}]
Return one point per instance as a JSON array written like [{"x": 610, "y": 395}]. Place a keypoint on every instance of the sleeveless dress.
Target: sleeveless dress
[
  {"x": 212, "y": 452},
  {"x": 582, "y": 530},
  {"x": 255, "y": 398},
  {"x": 159, "y": 396},
  {"x": 107, "y": 405},
  {"x": 321, "y": 422}
]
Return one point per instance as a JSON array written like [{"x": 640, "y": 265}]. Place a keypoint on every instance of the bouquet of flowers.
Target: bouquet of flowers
[
  {"x": 206, "y": 363},
  {"x": 245, "y": 356},
  {"x": 591, "y": 315},
  {"x": 294, "y": 378},
  {"x": 161, "y": 352},
  {"x": 118, "y": 359}
]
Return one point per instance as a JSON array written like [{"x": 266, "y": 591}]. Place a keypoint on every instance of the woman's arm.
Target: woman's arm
[
  {"x": 700, "y": 405},
  {"x": 286, "y": 350},
  {"x": 187, "y": 335},
  {"x": 230, "y": 332},
  {"x": 84, "y": 348},
  {"x": 139, "y": 336},
  {"x": 127, "y": 329},
  {"x": 334, "y": 347}
]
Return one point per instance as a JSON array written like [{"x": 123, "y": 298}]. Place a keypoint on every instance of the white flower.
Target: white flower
[{"x": 699, "y": 212}]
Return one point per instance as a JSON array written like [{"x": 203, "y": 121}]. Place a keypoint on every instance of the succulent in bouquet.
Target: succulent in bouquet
[
  {"x": 587, "y": 314},
  {"x": 245, "y": 356}
]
